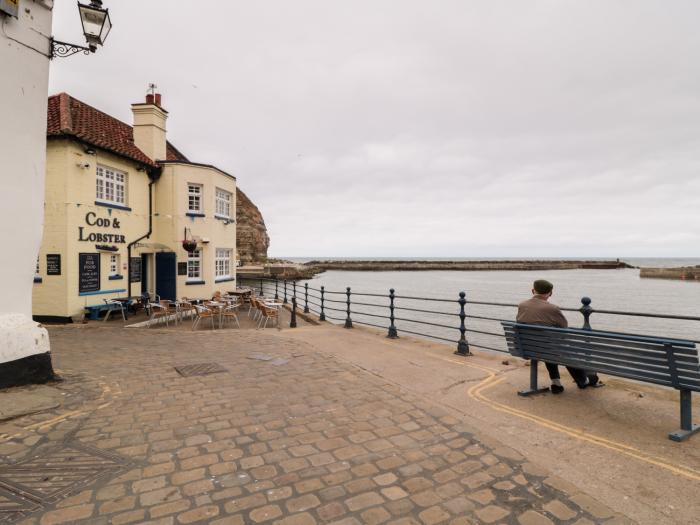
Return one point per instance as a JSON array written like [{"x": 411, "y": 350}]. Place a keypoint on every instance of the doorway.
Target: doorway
[{"x": 166, "y": 275}]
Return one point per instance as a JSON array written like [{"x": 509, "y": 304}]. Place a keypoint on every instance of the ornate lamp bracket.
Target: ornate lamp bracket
[{"x": 65, "y": 49}]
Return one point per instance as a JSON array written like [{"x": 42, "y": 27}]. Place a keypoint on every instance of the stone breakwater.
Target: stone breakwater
[
  {"x": 291, "y": 271},
  {"x": 687, "y": 273},
  {"x": 375, "y": 266}
]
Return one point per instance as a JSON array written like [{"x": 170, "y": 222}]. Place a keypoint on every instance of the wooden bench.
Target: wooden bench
[
  {"x": 94, "y": 310},
  {"x": 658, "y": 360}
]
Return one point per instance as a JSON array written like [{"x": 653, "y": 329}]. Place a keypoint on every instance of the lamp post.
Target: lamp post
[{"x": 96, "y": 27}]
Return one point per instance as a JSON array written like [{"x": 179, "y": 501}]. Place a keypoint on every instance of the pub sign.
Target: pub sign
[
  {"x": 88, "y": 272},
  {"x": 53, "y": 264}
]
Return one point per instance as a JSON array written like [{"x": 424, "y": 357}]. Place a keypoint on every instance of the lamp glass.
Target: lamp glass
[{"x": 96, "y": 23}]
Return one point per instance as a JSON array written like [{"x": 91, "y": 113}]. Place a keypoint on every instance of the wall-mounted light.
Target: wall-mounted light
[
  {"x": 96, "y": 26},
  {"x": 90, "y": 151}
]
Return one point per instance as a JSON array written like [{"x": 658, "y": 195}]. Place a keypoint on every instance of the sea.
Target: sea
[{"x": 435, "y": 293}]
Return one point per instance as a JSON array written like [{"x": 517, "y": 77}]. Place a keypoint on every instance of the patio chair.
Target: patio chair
[
  {"x": 267, "y": 315},
  {"x": 230, "y": 313},
  {"x": 114, "y": 305},
  {"x": 187, "y": 309},
  {"x": 158, "y": 313},
  {"x": 203, "y": 313}
]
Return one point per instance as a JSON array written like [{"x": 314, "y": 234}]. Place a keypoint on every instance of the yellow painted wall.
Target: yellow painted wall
[
  {"x": 171, "y": 218},
  {"x": 70, "y": 196}
]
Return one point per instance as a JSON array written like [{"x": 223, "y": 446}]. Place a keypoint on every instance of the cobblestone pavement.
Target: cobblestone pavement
[{"x": 282, "y": 435}]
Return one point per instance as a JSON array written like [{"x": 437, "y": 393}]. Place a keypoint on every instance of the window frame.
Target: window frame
[
  {"x": 222, "y": 263},
  {"x": 105, "y": 177},
  {"x": 114, "y": 265},
  {"x": 190, "y": 264},
  {"x": 227, "y": 203},
  {"x": 195, "y": 195}
]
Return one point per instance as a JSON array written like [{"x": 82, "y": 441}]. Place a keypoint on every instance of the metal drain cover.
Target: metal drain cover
[
  {"x": 200, "y": 369},
  {"x": 51, "y": 476}
]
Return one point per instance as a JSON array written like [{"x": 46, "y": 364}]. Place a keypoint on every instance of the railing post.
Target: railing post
[
  {"x": 462, "y": 344},
  {"x": 294, "y": 288},
  {"x": 285, "y": 292},
  {"x": 261, "y": 287},
  {"x": 276, "y": 287},
  {"x": 306, "y": 298},
  {"x": 293, "y": 322},
  {"x": 348, "y": 321},
  {"x": 322, "y": 317},
  {"x": 586, "y": 310},
  {"x": 393, "y": 334}
]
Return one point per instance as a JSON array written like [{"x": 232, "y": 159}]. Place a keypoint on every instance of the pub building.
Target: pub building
[{"x": 119, "y": 202}]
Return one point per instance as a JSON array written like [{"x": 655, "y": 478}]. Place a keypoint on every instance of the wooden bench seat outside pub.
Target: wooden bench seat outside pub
[{"x": 649, "y": 359}]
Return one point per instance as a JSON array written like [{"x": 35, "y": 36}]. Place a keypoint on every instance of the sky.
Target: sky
[{"x": 541, "y": 128}]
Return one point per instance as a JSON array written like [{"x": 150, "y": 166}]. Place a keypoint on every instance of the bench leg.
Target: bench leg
[
  {"x": 533, "y": 381},
  {"x": 687, "y": 427}
]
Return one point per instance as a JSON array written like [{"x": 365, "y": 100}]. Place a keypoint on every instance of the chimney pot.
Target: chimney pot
[
  {"x": 159, "y": 98},
  {"x": 149, "y": 98}
]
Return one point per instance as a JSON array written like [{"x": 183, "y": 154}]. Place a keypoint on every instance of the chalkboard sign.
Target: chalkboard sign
[
  {"x": 135, "y": 270},
  {"x": 88, "y": 272},
  {"x": 53, "y": 264},
  {"x": 182, "y": 268}
]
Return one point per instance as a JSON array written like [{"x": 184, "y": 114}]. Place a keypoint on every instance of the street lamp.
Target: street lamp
[{"x": 96, "y": 27}]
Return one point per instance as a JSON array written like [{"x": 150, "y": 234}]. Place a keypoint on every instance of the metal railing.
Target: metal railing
[{"x": 468, "y": 324}]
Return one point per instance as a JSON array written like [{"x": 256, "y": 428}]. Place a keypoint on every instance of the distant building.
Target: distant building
[
  {"x": 24, "y": 58},
  {"x": 120, "y": 200}
]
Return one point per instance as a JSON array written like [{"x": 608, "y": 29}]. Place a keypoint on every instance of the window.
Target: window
[
  {"x": 194, "y": 265},
  {"x": 223, "y": 263},
  {"x": 111, "y": 186},
  {"x": 194, "y": 198},
  {"x": 36, "y": 269},
  {"x": 223, "y": 203},
  {"x": 113, "y": 265}
]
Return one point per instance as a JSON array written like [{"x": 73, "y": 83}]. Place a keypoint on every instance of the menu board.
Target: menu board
[
  {"x": 182, "y": 268},
  {"x": 88, "y": 272},
  {"x": 135, "y": 270},
  {"x": 53, "y": 264}
]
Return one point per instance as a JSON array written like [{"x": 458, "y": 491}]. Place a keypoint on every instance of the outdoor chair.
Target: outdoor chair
[
  {"x": 230, "y": 313},
  {"x": 268, "y": 314},
  {"x": 187, "y": 309},
  {"x": 114, "y": 305},
  {"x": 203, "y": 313},
  {"x": 158, "y": 313}
]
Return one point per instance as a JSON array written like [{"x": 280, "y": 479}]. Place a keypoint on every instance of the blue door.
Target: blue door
[{"x": 166, "y": 275}]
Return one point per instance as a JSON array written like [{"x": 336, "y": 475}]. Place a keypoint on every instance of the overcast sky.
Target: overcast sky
[{"x": 425, "y": 128}]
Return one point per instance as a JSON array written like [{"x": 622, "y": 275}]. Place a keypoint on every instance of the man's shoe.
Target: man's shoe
[
  {"x": 594, "y": 381},
  {"x": 556, "y": 389}
]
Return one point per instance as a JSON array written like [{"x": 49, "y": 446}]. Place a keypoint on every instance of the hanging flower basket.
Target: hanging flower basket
[{"x": 189, "y": 245}]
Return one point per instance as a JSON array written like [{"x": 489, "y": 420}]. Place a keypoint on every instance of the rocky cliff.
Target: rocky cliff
[{"x": 252, "y": 240}]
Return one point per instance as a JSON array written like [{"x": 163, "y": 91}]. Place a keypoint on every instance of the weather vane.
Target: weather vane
[{"x": 152, "y": 88}]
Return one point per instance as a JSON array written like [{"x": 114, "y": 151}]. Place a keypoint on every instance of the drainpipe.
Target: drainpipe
[{"x": 153, "y": 175}]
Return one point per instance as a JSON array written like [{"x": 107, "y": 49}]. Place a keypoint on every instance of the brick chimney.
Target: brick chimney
[{"x": 149, "y": 126}]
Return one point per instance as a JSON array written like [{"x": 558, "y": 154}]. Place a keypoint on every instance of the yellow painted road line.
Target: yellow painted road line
[{"x": 476, "y": 393}]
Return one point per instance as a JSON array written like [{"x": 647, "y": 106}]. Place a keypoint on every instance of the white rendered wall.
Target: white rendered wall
[{"x": 24, "y": 72}]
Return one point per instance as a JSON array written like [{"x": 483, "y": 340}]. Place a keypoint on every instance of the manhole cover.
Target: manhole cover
[
  {"x": 200, "y": 369},
  {"x": 51, "y": 476}
]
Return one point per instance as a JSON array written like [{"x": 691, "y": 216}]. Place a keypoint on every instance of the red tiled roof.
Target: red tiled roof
[{"x": 68, "y": 116}]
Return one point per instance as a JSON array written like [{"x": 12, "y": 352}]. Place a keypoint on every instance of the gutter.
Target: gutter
[{"x": 153, "y": 175}]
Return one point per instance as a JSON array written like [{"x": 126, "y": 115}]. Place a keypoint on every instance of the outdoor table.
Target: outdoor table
[
  {"x": 219, "y": 309},
  {"x": 126, "y": 303}
]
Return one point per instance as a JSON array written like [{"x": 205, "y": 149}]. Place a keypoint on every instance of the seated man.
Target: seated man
[{"x": 538, "y": 310}]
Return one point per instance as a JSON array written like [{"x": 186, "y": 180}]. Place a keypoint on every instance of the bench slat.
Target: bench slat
[
  {"x": 644, "y": 339},
  {"x": 683, "y": 362},
  {"x": 607, "y": 341}
]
